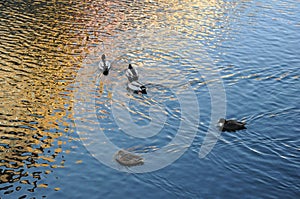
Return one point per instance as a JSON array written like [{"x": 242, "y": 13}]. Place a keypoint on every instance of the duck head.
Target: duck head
[
  {"x": 143, "y": 90},
  {"x": 221, "y": 123},
  {"x": 105, "y": 72}
]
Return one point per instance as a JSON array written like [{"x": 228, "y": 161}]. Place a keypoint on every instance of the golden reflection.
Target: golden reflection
[
  {"x": 38, "y": 63},
  {"x": 42, "y": 46}
]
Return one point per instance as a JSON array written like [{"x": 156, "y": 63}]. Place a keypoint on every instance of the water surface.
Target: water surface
[{"x": 252, "y": 45}]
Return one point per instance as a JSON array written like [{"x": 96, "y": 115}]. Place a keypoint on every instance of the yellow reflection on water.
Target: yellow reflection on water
[
  {"x": 38, "y": 63},
  {"x": 42, "y": 46}
]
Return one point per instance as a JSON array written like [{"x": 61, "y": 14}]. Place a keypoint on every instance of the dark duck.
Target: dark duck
[
  {"x": 231, "y": 125},
  {"x": 133, "y": 84},
  {"x": 104, "y": 65}
]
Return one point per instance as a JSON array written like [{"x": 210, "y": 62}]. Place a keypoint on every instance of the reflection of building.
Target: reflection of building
[
  {"x": 42, "y": 48},
  {"x": 103, "y": 20},
  {"x": 36, "y": 68}
]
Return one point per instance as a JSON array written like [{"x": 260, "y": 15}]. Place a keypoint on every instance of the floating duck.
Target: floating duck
[
  {"x": 133, "y": 84},
  {"x": 104, "y": 65},
  {"x": 137, "y": 87},
  {"x": 230, "y": 125},
  {"x": 128, "y": 159}
]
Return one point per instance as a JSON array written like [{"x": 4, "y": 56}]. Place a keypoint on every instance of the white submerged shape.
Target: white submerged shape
[
  {"x": 133, "y": 84},
  {"x": 104, "y": 65}
]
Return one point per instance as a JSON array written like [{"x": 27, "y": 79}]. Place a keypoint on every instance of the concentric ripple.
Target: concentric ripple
[{"x": 161, "y": 66}]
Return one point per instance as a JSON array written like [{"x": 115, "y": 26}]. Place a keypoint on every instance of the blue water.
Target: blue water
[{"x": 254, "y": 48}]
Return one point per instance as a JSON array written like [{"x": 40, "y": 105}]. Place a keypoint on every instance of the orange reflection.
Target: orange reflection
[
  {"x": 43, "y": 47},
  {"x": 37, "y": 65}
]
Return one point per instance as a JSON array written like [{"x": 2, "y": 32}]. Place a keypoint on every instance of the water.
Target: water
[{"x": 49, "y": 52}]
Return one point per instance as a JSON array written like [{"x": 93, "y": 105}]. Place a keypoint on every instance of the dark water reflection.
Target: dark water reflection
[{"x": 43, "y": 44}]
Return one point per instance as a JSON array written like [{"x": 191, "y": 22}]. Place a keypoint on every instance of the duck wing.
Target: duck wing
[{"x": 135, "y": 86}]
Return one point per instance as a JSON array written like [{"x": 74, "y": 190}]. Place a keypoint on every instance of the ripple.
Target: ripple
[
  {"x": 43, "y": 45},
  {"x": 33, "y": 62}
]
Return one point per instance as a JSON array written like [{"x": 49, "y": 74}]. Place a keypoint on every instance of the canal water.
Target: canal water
[{"x": 62, "y": 122}]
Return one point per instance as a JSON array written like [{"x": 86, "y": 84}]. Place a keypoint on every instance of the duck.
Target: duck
[
  {"x": 137, "y": 87},
  {"x": 104, "y": 65},
  {"x": 128, "y": 159},
  {"x": 133, "y": 84},
  {"x": 231, "y": 125}
]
